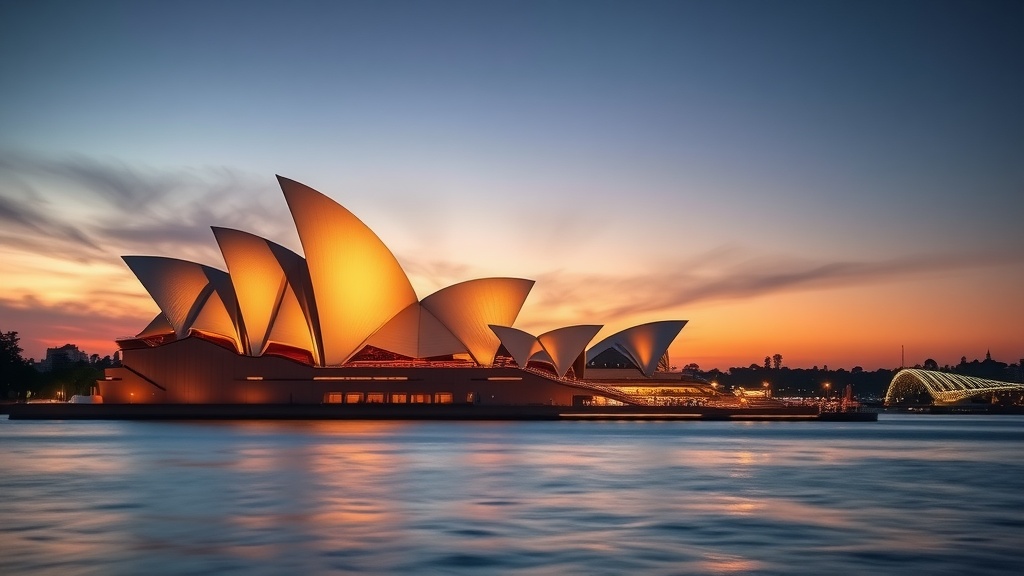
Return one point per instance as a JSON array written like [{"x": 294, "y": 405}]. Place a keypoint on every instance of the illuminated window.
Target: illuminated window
[
  {"x": 374, "y": 397},
  {"x": 332, "y": 398},
  {"x": 419, "y": 398},
  {"x": 443, "y": 398},
  {"x": 399, "y": 398},
  {"x": 353, "y": 397},
  {"x": 469, "y": 398}
]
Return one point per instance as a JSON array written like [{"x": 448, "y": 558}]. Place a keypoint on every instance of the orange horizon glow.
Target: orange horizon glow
[
  {"x": 864, "y": 319},
  {"x": 808, "y": 327}
]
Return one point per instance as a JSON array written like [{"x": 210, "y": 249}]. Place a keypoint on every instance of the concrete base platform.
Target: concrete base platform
[{"x": 408, "y": 412}]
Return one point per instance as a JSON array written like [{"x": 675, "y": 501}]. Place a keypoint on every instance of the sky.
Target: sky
[{"x": 830, "y": 181}]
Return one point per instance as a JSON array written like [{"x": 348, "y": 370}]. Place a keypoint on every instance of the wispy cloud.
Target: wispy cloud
[
  {"x": 27, "y": 216},
  {"x": 85, "y": 208},
  {"x": 730, "y": 273}
]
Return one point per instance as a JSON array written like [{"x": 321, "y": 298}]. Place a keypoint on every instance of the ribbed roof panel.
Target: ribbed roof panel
[
  {"x": 357, "y": 282},
  {"x": 175, "y": 285},
  {"x": 645, "y": 343},
  {"x": 520, "y": 344},
  {"x": 469, "y": 308},
  {"x": 258, "y": 280},
  {"x": 565, "y": 345}
]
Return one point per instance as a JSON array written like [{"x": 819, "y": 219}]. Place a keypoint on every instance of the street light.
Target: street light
[{"x": 827, "y": 387}]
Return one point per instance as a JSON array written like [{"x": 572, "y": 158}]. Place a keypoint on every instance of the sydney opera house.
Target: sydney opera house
[{"x": 341, "y": 324}]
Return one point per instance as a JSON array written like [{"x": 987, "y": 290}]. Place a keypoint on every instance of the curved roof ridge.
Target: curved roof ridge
[
  {"x": 519, "y": 343},
  {"x": 181, "y": 289},
  {"x": 644, "y": 344},
  {"x": 263, "y": 274},
  {"x": 565, "y": 344},
  {"x": 468, "y": 308},
  {"x": 356, "y": 280}
]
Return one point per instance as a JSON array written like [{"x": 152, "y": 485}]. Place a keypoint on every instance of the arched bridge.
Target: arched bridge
[{"x": 943, "y": 387}]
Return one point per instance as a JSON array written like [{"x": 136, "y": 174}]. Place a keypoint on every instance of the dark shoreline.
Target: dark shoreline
[{"x": 411, "y": 412}]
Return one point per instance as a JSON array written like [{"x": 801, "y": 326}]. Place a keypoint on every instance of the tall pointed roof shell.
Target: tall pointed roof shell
[
  {"x": 357, "y": 282},
  {"x": 268, "y": 277},
  {"x": 469, "y": 307}
]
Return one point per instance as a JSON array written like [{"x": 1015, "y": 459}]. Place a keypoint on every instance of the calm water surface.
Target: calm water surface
[{"x": 921, "y": 494}]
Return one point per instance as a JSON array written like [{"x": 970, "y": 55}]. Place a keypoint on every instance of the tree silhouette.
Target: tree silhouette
[
  {"x": 767, "y": 363},
  {"x": 777, "y": 359},
  {"x": 931, "y": 364},
  {"x": 15, "y": 372}
]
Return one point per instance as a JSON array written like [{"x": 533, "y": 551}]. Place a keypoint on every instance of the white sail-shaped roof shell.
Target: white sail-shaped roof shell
[
  {"x": 190, "y": 295},
  {"x": 357, "y": 282},
  {"x": 520, "y": 344},
  {"x": 565, "y": 345},
  {"x": 417, "y": 333},
  {"x": 175, "y": 286},
  {"x": 468, "y": 308},
  {"x": 644, "y": 344},
  {"x": 268, "y": 279}
]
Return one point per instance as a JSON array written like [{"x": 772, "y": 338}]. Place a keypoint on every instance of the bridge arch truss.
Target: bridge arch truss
[{"x": 943, "y": 387}]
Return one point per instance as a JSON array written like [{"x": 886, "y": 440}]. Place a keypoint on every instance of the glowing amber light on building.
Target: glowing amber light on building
[
  {"x": 343, "y": 325},
  {"x": 357, "y": 282}
]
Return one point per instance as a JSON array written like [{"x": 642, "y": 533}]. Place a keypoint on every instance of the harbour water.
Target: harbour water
[{"x": 909, "y": 494}]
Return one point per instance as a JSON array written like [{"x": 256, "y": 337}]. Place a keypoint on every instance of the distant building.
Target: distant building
[{"x": 66, "y": 354}]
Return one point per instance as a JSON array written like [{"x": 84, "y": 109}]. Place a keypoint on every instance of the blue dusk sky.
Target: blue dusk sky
[{"x": 826, "y": 180}]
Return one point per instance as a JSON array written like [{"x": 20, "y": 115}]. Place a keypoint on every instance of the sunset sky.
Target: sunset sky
[{"x": 825, "y": 180}]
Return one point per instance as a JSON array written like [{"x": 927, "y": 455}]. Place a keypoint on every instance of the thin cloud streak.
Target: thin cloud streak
[
  {"x": 742, "y": 278},
  {"x": 28, "y": 216},
  {"x": 127, "y": 209}
]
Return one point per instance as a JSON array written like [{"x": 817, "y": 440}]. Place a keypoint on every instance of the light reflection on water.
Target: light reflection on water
[{"x": 933, "y": 494}]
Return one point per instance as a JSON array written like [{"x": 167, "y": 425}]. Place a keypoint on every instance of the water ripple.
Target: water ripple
[{"x": 925, "y": 494}]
